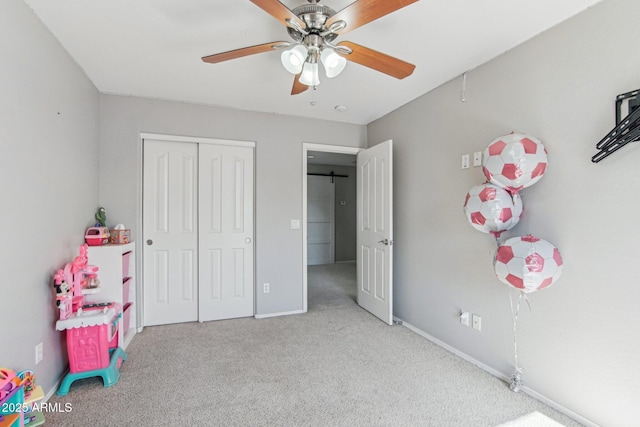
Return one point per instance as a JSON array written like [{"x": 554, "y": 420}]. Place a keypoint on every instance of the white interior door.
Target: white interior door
[
  {"x": 320, "y": 220},
  {"x": 170, "y": 218},
  {"x": 226, "y": 232},
  {"x": 375, "y": 230}
]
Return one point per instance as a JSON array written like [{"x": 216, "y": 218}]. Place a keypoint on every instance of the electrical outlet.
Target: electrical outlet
[
  {"x": 265, "y": 288},
  {"x": 464, "y": 318},
  {"x": 39, "y": 353},
  {"x": 477, "y": 322},
  {"x": 477, "y": 158},
  {"x": 465, "y": 161}
]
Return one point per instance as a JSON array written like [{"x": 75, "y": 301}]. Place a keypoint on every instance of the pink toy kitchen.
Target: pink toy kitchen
[{"x": 94, "y": 300}]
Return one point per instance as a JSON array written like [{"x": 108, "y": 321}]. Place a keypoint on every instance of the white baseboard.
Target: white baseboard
[
  {"x": 284, "y": 313},
  {"x": 128, "y": 338},
  {"x": 547, "y": 401},
  {"x": 55, "y": 387}
]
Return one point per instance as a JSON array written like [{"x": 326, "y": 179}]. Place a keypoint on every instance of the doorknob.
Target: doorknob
[
  {"x": 149, "y": 242},
  {"x": 385, "y": 242},
  {"x": 247, "y": 240}
]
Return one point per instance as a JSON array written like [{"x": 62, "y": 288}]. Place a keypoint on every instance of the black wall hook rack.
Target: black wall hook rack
[{"x": 627, "y": 129}]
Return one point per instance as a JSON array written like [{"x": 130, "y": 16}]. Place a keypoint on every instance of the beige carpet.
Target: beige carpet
[{"x": 334, "y": 366}]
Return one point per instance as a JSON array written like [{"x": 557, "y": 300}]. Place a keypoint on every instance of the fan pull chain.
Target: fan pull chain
[{"x": 313, "y": 101}]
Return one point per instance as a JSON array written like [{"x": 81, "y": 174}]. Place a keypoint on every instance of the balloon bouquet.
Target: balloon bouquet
[{"x": 527, "y": 263}]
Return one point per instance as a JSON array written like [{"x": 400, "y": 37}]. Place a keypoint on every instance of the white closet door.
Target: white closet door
[
  {"x": 320, "y": 220},
  {"x": 170, "y": 218},
  {"x": 226, "y": 232}
]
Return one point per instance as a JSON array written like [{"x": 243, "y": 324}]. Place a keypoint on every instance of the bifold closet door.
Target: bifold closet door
[
  {"x": 226, "y": 232},
  {"x": 170, "y": 227}
]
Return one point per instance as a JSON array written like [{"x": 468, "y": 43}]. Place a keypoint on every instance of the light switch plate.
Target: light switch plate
[
  {"x": 295, "y": 224},
  {"x": 477, "y": 322},
  {"x": 464, "y": 318},
  {"x": 465, "y": 161}
]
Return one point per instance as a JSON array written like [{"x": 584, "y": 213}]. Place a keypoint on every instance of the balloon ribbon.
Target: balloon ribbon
[{"x": 515, "y": 382}]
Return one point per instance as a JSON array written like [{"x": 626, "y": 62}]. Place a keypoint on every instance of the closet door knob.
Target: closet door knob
[
  {"x": 149, "y": 242},
  {"x": 247, "y": 240}
]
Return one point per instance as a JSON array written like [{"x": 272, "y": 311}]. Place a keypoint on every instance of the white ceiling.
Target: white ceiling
[{"x": 152, "y": 48}]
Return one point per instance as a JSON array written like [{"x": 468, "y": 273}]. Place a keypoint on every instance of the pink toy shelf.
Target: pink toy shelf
[{"x": 125, "y": 263}]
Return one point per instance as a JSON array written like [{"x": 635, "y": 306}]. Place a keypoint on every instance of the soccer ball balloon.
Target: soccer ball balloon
[
  {"x": 528, "y": 263},
  {"x": 514, "y": 161},
  {"x": 491, "y": 209}
]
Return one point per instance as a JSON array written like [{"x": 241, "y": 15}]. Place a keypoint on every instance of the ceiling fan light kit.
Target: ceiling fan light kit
[
  {"x": 313, "y": 27},
  {"x": 309, "y": 75},
  {"x": 304, "y": 58},
  {"x": 332, "y": 62},
  {"x": 294, "y": 58}
]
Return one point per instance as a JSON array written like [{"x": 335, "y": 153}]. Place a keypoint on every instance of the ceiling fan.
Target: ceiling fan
[{"x": 313, "y": 28}]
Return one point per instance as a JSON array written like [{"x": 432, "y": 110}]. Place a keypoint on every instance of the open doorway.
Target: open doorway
[
  {"x": 331, "y": 229},
  {"x": 374, "y": 225},
  {"x": 329, "y": 224}
]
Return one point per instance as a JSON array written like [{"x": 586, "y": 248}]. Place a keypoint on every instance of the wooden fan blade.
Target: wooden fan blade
[
  {"x": 362, "y": 12},
  {"x": 278, "y": 11},
  {"x": 377, "y": 60},
  {"x": 239, "y": 53},
  {"x": 297, "y": 86}
]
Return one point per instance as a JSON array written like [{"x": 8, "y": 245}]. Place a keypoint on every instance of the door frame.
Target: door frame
[
  {"x": 306, "y": 147},
  {"x": 139, "y": 222}
]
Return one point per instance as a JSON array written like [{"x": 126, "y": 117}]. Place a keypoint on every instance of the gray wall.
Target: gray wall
[
  {"x": 579, "y": 345},
  {"x": 278, "y": 175},
  {"x": 345, "y": 216},
  {"x": 49, "y": 184}
]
